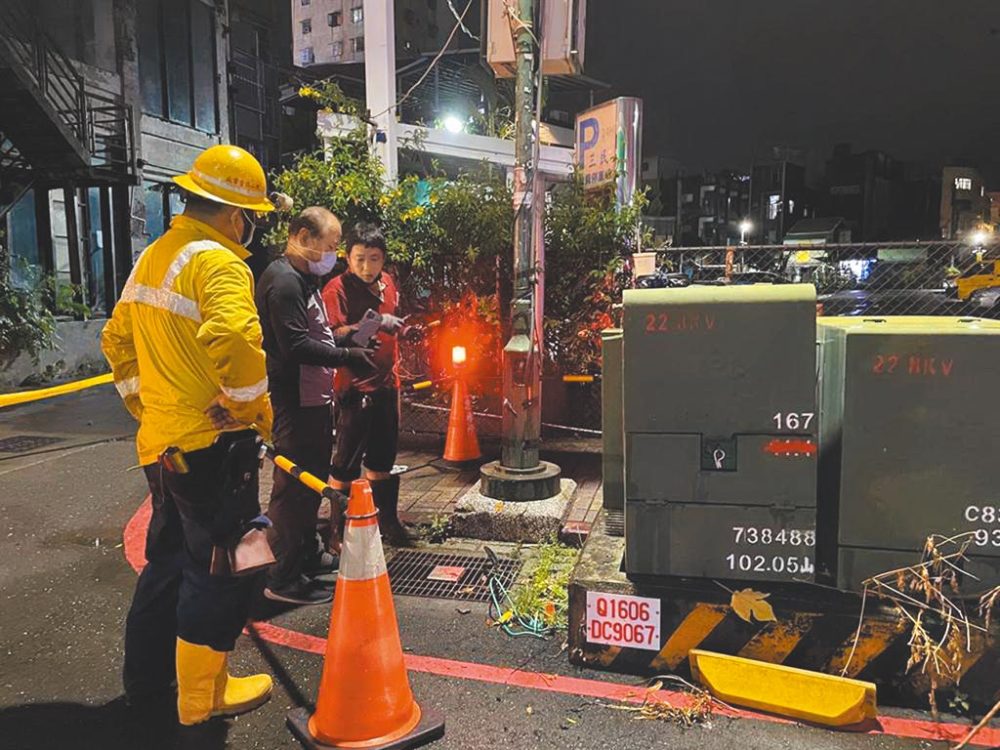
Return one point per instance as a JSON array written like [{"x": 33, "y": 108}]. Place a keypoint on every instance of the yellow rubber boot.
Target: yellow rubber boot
[
  {"x": 237, "y": 695},
  {"x": 197, "y": 670},
  {"x": 205, "y": 689}
]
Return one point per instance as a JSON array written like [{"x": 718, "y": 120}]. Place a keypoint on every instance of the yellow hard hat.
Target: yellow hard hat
[{"x": 230, "y": 175}]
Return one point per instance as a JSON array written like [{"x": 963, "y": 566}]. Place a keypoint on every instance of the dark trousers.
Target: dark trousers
[
  {"x": 367, "y": 433},
  {"x": 304, "y": 435},
  {"x": 176, "y": 596}
]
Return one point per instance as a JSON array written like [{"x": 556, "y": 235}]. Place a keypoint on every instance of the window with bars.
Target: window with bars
[
  {"x": 337, "y": 50},
  {"x": 307, "y": 26},
  {"x": 307, "y": 56}
]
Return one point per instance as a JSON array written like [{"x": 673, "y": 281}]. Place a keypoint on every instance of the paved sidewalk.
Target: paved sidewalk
[{"x": 430, "y": 490}]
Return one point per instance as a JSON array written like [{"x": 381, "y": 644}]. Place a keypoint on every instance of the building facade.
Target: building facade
[
  {"x": 158, "y": 81},
  {"x": 965, "y": 207},
  {"x": 866, "y": 189},
  {"x": 710, "y": 206},
  {"x": 780, "y": 197},
  {"x": 328, "y": 32}
]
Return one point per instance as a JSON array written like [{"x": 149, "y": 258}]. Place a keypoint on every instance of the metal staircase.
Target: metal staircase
[{"x": 54, "y": 129}]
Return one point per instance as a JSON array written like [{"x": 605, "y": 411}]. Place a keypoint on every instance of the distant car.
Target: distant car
[
  {"x": 716, "y": 276},
  {"x": 881, "y": 302},
  {"x": 758, "y": 277},
  {"x": 662, "y": 280},
  {"x": 976, "y": 279},
  {"x": 985, "y": 303}
]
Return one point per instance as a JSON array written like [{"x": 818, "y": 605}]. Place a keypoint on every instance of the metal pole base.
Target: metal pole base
[
  {"x": 430, "y": 728},
  {"x": 520, "y": 485}
]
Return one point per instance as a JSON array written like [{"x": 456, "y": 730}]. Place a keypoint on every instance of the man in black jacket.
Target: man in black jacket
[{"x": 301, "y": 355}]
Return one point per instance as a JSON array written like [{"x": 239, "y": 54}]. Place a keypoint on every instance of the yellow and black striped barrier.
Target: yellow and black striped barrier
[
  {"x": 24, "y": 397},
  {"x": 311, "y": 481},
  {"x": 815, "y": 628}
]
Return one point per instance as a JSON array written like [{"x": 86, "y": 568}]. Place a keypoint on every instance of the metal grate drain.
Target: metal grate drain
[
  {"x": 443, "y": 576},
  {"x": 614, "y": 522},
  {"x": 25, "y": 443}
]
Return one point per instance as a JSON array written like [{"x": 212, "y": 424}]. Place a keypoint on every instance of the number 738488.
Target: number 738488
[{"x": 753, "y": 535}]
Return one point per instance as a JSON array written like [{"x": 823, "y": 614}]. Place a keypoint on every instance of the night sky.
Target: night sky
[{"x": 919, "y": 79}]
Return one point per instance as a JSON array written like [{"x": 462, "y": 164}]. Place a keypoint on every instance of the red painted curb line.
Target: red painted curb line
[{"x": 134, "y": 547}]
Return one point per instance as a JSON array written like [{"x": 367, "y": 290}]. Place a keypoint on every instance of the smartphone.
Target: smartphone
[{"x": 367, "y": 328}]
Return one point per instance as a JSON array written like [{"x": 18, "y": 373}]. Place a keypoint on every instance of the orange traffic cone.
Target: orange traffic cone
[
  {"x": 461, "y": 445},
  {"x": 365, "y": 699}
]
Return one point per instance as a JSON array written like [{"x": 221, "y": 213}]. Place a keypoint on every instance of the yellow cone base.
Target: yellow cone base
[
  {"x": 813, "y": 697},
  {"x": 430, "y": 728}
]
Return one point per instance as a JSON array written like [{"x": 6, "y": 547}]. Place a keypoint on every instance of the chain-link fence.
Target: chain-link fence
[{"x": 917, "y": 278}]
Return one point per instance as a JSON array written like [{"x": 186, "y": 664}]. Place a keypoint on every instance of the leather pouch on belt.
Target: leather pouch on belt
[{"x": 249, "y": 554}]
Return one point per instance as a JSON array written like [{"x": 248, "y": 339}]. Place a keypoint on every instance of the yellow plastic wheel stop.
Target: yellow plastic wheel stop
[{"x": 813, "y": 697}]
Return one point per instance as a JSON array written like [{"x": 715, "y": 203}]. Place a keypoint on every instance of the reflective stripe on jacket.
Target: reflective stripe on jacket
[{"x": 184, "y": 333}]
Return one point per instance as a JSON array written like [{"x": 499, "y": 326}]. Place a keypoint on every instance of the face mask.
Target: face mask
[
  {"x": 249, "y": 228},
  {"x": 324, "y": 265}
]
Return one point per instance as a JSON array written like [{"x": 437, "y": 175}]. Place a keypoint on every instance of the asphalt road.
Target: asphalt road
[{"x": 65, "y": 587}]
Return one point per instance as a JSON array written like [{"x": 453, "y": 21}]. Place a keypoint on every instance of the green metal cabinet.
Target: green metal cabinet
[
  {"x": 909, "y": 444},
  {"x": 720, "y": 419}
]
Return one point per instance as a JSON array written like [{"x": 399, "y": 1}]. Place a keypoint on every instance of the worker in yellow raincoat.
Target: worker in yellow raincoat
[{"x": 184, "y": 345}]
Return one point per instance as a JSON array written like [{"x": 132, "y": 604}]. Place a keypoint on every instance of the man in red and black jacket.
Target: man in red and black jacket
[{"x": 367, "y": 397}]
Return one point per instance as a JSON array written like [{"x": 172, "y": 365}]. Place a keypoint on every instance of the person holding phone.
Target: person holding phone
[{"x": 368, "y": 395}]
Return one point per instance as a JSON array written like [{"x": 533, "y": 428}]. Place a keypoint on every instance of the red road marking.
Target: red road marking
[{"x": 134, "y": 547}]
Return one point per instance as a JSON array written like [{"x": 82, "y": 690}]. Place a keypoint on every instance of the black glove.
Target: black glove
[
  {"x": 391, "y": 323},
  {"x": 358, "y": 356}
]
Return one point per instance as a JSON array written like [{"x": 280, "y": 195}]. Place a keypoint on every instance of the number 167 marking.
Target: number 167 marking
[{"x": 793, "y": 420}]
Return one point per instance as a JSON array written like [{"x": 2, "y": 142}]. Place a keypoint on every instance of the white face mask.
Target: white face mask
[
  {"x": 249, "y": 227},
  {"x": 324, "y": 265}
]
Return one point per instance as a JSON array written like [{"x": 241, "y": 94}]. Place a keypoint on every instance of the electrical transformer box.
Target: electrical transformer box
[
  {"x": 908, "y": 444},
  {"x": 720, "y": 419}
]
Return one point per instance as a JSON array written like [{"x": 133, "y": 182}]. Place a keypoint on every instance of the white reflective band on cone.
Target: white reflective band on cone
[{"x": 361, "y": 556}]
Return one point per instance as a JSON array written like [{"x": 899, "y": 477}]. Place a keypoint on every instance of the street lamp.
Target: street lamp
[
  {"x": 745, "y": 228},
  {"x": 453, "y": 124}
]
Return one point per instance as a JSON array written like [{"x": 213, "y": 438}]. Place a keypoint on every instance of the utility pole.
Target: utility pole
[
  {"x": 520, "y": 475},
  {"x": 380, "y": 80}
]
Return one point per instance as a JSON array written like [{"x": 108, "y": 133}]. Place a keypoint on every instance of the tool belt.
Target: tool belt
[
  {"x": 241, "y": 546},
  {"x": 238, "y": 529}
]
